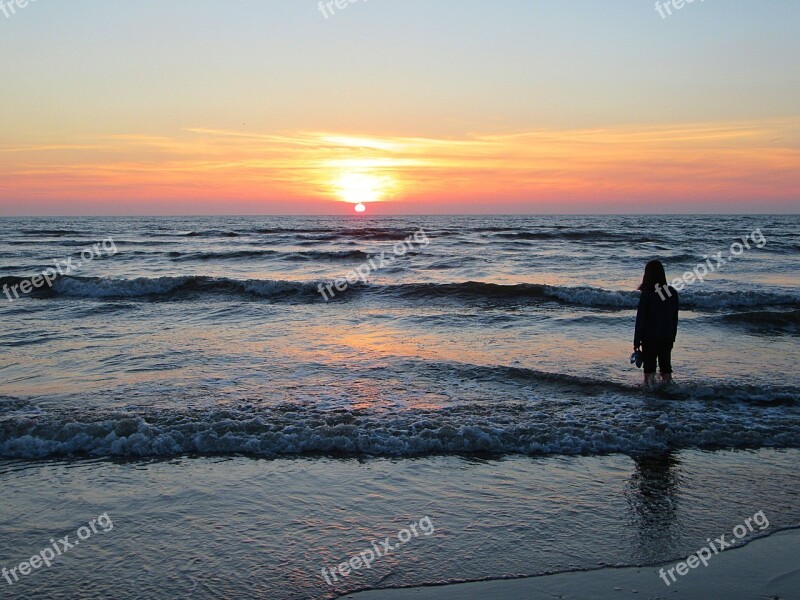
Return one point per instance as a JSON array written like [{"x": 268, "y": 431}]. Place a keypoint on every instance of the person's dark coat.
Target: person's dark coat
[{"x": 657, "y": 316}]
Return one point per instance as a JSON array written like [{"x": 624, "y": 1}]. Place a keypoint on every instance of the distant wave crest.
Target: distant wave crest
[
  {"x": 173, "y": 288},
  {"x": 281, "y": 255}
]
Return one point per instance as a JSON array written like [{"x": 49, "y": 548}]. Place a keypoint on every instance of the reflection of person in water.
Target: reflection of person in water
[{"x": 653, "y": 496}]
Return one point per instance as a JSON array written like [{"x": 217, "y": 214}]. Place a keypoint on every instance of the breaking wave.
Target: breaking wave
[
  {"x": 173, "y": 288},
  {"x": 609, "y": 422}
]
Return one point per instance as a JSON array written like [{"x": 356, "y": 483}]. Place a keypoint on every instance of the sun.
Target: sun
[
  {"x": 360, "y": 208},
  {"x": 360, "y": 187}
]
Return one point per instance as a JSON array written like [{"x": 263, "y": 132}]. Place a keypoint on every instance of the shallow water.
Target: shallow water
[
  {"x": 235, "y": 527},
  {"x": 500, "y": 335}
]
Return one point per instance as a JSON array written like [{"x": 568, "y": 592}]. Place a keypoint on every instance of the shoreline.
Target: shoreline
[
  {"x": 233, "y": 526},
  {"x": 765, "y": 567}
]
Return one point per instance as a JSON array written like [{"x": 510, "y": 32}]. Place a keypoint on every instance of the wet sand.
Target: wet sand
[{"x": 767, "y": 568}]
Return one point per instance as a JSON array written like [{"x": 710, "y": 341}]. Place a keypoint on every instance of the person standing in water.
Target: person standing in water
[{"x": 656, "y": 323}]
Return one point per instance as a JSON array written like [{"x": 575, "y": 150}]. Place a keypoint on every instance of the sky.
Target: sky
[{"x": 133, "y": 107}]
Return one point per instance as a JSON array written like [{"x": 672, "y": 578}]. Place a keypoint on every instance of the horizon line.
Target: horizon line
[{"x": 367, "y": 216}]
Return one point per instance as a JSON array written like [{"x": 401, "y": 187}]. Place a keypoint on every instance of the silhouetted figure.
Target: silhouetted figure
[{"x": 656, "y": 323}]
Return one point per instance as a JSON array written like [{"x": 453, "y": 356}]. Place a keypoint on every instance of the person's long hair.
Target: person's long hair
[{"x": 653, "y": 275}]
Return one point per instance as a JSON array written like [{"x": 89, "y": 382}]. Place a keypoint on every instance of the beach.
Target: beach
[
  {"x": 392, "y": 300},
  {"x": 766, "y": 569},
  {"x": 239, "y": 527},
  {"x": 311, "y": 407}
]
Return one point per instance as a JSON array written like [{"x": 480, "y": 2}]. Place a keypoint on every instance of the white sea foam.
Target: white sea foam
[{"x": 600, "y": 425}]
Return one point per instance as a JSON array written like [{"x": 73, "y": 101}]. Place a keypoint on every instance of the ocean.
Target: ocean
[{"x": 248, "y": 416}]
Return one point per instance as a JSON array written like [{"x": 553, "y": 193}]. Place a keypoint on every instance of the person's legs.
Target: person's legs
[
  {"x": 665, "y": 360},
  {"x": 650, "y": 356}
]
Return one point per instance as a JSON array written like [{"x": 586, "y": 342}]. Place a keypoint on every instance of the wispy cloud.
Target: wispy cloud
[{"x": 724, "y": 161}]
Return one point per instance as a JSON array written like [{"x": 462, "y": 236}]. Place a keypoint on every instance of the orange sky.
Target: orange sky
[{"x": 205, "y": 170}]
